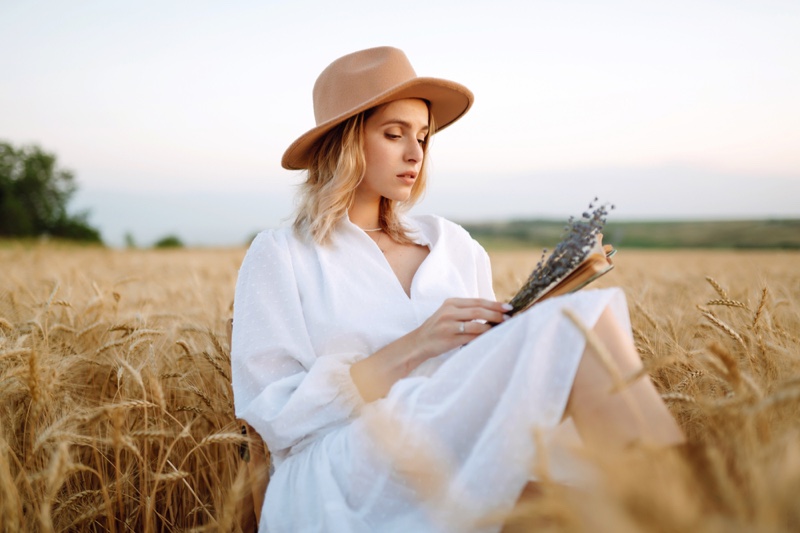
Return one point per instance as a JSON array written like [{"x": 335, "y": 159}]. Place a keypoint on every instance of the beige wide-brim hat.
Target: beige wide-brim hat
[{"x": 365, "y": 79}]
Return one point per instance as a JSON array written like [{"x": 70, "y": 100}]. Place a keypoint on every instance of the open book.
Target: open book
[
  {"x": 596, "y": 263},
  {"x": 577, "y": 260}
]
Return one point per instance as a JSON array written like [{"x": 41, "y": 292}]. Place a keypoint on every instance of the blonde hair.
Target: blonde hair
[{"x": 335, "y": 170}]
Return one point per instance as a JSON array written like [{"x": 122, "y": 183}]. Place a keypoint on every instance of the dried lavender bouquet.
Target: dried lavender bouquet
[{"x": 581, "y": 237}]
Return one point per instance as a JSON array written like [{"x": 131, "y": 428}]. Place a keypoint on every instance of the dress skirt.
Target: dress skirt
[{"x": 451, "y": 446}]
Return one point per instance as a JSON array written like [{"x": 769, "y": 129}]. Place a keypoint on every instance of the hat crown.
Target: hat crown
[
  {"x": 362, "y": 80},
  {"x": 359, "y": 77}
]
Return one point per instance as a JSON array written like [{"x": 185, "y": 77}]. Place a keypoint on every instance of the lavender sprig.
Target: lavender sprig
[{"x": 579, "y": 238}]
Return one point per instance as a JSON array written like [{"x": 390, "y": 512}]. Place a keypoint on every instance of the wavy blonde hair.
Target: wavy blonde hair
[{"x": 336, "y": 169}]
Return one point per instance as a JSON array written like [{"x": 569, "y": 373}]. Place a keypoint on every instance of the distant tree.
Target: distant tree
[
  {"x": 34, "y": 194},
  {"x": 170, "y": 241},
  {"x": 130, "y": 242}
]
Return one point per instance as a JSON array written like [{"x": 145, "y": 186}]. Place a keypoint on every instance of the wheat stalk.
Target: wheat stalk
[
  {"x": 190, "y": 408},
  {"x": 643, "y": 312},
  {"x": 126, "y": 405},
  {"x": 6, "y": 325},
  {"x": 725, "y": 327},
  {"x": 34, "y": 383},
  {"x": 717, "y": 287},
  {"x": 224, "y": 438},
  {"x": 127, "y": 329},
  {"x": 74, "y": 500},
  {"x": 221, "y": 351},
  {"x": 55, "y": 477},
  {"x": 170, "y": 477},
  {"x": 202, "y": 395},
  {"x": 89, "y": 514},
  {"x": 728, "y": 303},
  {"x": 678, "y": 397},
  {"x": 217, "y": 367},
  {"x": 10, "y": 504},
  {"x": 761, "y": 306},
  {"x": 238, "y": 490},
  {"x": 15, "y": 353},
  {"x": 90, "y": 327},
  {"x": 156, "y": 389},
  {"x": 694, "y": 374},
  {"x": 737, "y": 378},
  {"x": 64, "y": 328},
  {"x": 154, "y": 434},
  {"x": 111, "y": 344},
  {"x": 185, "y": 347}
]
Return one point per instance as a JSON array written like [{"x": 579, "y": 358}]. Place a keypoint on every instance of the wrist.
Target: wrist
[{"x": 415, "y": 350}]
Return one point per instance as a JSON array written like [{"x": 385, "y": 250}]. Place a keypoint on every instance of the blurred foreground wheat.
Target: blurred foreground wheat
[
  {"x": 116, "y": 409},
  {"x": 719, "y": 333}
]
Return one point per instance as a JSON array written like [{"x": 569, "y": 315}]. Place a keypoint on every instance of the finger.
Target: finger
[
  {"x": 462, "y": 303},
  {"x": 473, "y": 329},
  {"x": 479, "y": 313}
]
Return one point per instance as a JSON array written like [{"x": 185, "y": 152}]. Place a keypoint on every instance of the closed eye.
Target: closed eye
[{"x": 392, "y": 136}]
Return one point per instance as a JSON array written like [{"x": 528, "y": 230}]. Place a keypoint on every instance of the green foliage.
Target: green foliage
[
  {"x": 76, "y": 228},
  {"x": 729, "y": 234},
  {"x": 170, "y": 241},
  {"x": 34, "y": 194}
]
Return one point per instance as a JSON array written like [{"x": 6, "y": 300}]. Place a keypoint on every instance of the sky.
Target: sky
[{"x": 174, "y": 115}]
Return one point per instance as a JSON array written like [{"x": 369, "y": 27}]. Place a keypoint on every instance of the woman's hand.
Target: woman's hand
[{"x": 455, "y": 323}]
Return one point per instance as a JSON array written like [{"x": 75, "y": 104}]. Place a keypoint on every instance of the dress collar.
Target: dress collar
[{"x": 417, "y": 231}]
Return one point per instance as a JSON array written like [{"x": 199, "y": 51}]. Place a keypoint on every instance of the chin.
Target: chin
[{"x": 400, "y": 197}]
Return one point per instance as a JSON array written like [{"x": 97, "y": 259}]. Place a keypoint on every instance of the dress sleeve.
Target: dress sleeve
[{"x": 280, "y": 386}]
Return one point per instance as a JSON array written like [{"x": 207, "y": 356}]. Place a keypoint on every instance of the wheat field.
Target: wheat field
[{"x": 116, "y": 408}]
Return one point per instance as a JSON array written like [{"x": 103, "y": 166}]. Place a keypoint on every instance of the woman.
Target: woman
[{"x": 361, "y": 350}]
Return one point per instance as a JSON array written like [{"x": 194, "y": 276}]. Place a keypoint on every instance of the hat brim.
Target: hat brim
[{"x": 448, "y": 102}]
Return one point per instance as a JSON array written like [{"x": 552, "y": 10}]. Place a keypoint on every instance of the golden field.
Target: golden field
[{"x": 116, "y": 409}]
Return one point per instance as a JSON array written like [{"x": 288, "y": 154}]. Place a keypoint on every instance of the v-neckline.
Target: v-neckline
[
  {"x": 376, "y": 249},
  {"x": 388, "y": 266},
  {"x": 413, "y": 275}
]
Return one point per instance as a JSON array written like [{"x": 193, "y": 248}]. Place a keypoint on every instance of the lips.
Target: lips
[{"x": 408, "y": 177}]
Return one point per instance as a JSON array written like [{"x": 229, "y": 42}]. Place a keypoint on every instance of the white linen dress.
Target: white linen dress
[{"x": 449, "y": 444}]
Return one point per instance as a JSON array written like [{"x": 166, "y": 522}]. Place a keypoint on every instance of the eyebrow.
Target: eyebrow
[{"x": 404, "y": 124}]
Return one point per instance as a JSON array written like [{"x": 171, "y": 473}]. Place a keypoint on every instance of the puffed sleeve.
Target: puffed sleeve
[
  {"x": 281, "y": 388},
  {"x": 484, "y": 273}
]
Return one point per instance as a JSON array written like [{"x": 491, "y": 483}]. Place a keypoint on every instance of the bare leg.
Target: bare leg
[{"x": 617, "y": 418}]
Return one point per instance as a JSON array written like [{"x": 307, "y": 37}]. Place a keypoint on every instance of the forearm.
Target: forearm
[
  {"x": 455, "y": 323},
  {"x": 376, "y": 374}
]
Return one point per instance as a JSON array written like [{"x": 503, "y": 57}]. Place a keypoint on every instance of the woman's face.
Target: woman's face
[{"x": 394, "y": 136}]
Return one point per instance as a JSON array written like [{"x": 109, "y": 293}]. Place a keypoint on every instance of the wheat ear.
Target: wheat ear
[{"x": 717, "y": 287}]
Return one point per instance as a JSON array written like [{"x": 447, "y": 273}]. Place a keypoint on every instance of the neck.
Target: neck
[{"x": 364, "y": 214}]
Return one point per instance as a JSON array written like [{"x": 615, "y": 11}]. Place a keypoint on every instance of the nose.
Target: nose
[{"x": 414, "y": 151}]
